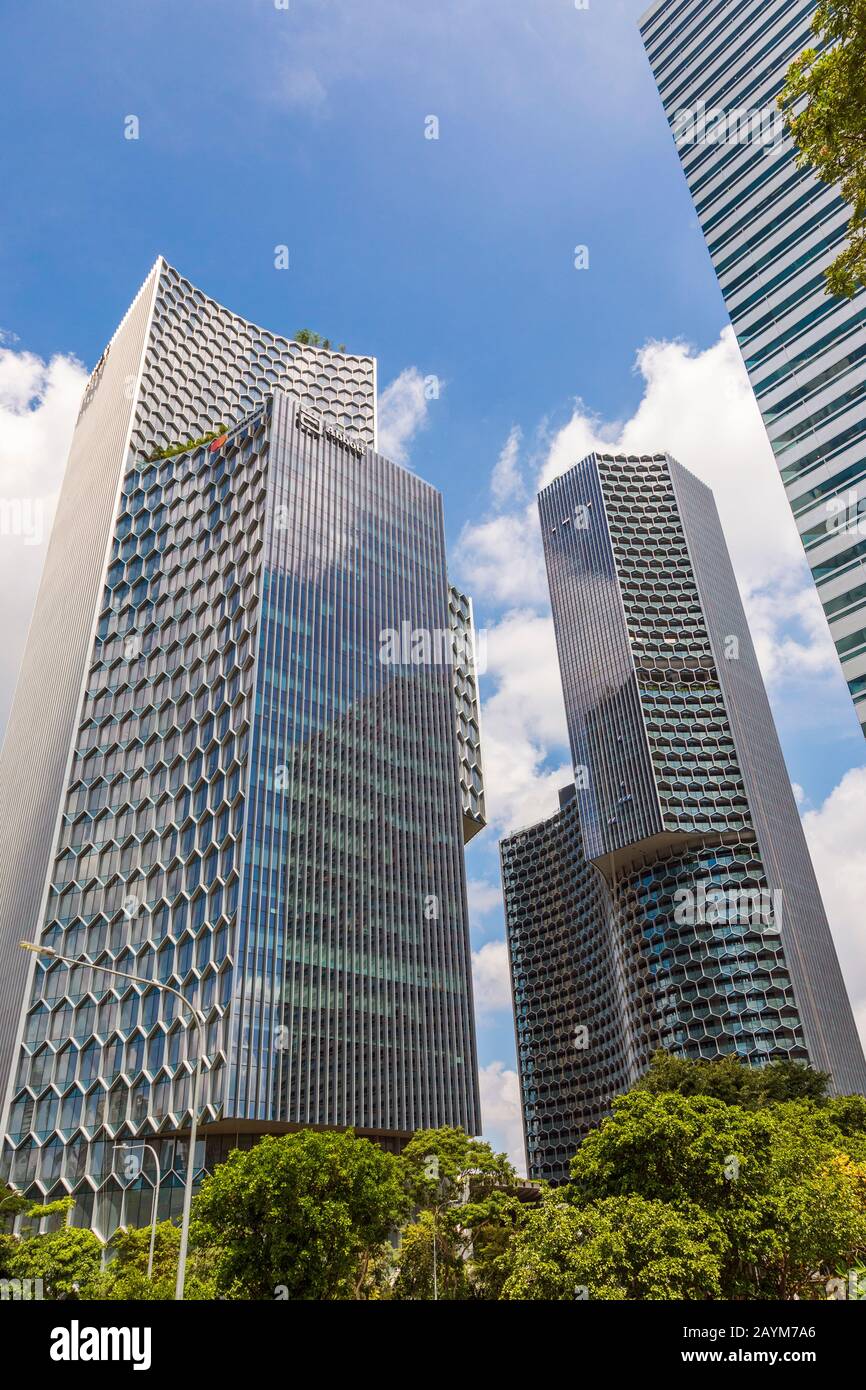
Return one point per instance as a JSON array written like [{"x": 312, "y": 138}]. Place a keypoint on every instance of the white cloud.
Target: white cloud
[
  {"x": 506, "y": 482},
  {"x": 524, "y": 721},
  {"x": 834, "y": 832},
  {"x": 39, "y": 403},
  {"x": 502, "y": 560},
  {"x": 402, "y": 412},
  {"x": 785, "y": 653},
  {"x": 484, "y": 898},
  {"x": 491, "y": 978},
  {"x": 500, "y": 1112}
]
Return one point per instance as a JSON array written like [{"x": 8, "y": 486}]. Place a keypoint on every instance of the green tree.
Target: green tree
[
  {"x": 847, "y": 1114},
  {"x": 126, "y": 1275},
  {"x": 782, "y": 1183},
  {"x": 415, "y": 1261},
  {"x": 311, "y": 339},
  {"x": 8, "y": 1247},
  {"x": 732, "y": 1081},
  {"x": 824, "y": 102},
  {"x": 56, "y": 1213},
  {"x": 301, "y": 1216},
  {"x": 12, "y": 1203},
  {"x": 440, "y": 1163},
  {"x": 67, "y": 1261},
  {"x": 616, "y": 1248},
  {"x": 466, "y": 1197}
]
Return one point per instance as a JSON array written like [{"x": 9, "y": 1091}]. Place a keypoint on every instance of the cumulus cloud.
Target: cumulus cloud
[
  {"x": 502, "y": 560},
  {"x": 524, "y": 721},
  {"x": 500, "y": 1112},
  {"x": 402, "y": 413},
  {"x": 506, "y": 482},
  {"x": 834, "y": 831},
  {"x": 484, "y": 898},
  {"x": 699, "y": 407},
  {"x": 491, "y": 978},
  {"x": 39, "y": 403}
]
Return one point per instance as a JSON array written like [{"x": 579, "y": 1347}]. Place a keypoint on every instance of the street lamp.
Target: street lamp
[
  {"x": 148, "y": 1148},
  {"x": 198, "y": 1020}
]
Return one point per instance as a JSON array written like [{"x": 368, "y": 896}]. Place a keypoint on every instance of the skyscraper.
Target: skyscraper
[
  {"x": 241, "y": 787},
  {"x": 771, "y": 230},
  {"x": 671, "y": 901}
]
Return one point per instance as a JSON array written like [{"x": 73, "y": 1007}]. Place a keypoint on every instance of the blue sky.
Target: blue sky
[
  {"x": 261, "y": 126},
  {"x": 305, "y": 126}
]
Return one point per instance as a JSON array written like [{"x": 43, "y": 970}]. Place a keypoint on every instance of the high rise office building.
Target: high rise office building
[
  {"x": 238, "y": 773},
  {"x": 671, "y": 901},
  {"x": 771, "y": 230}
]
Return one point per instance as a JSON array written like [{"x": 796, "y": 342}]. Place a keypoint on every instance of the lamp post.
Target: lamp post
[
  {"x": 140, "y": 1144},
  {"x": 198, "y": 1020}
]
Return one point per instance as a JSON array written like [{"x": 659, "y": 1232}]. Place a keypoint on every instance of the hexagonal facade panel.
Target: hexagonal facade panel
[
  {"x": 256, "y": 811},
  {"x": 680, "y": 866}
]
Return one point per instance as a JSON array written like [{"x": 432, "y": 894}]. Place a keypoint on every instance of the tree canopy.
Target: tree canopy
[
  {"x": 729, "y": 1080},
  {"x": 706, "y": 1181},
  {"x": 468, "y": 1206},
  {"x": 299, "y": 1216},
  {"x": 616, "y": 1248},
  {"x": 824, "y": 103}
]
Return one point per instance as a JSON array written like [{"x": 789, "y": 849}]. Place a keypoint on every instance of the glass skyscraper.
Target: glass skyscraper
[
  {"x": 249, "y": 780},
  {"x": 771, "y": 230},
  {"x": 671, "y": 901}
]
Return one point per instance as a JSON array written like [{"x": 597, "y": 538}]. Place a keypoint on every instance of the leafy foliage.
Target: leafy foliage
[
  {"x": 469, "y": 1203},
  {"x": 12, "y": 1203},
  {"x": 782, "y": 1183},
  {"x": 182, "y": 446},
  {"x": 303, "y": 1214},
  {"x": 8, "y": 1247},
  {"x": 733, "y": 1082},
  {"x": 824, "y": 101},
  {"x": 707, "y": 1181},
  {"x": 311, "y": 339},
  {"x": 126, "y": 1275},
  {"x": 67, "y": 1261},
  {"x": 616, "y": 1248}
]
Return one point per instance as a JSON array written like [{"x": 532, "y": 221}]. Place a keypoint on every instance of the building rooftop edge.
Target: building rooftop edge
[
  {"x": 609, "y": 456},
  {"x": 281, "y": 337}
]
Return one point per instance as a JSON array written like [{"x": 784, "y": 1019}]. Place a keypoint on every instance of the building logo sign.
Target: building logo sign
[{"x": 311, "y": 423}]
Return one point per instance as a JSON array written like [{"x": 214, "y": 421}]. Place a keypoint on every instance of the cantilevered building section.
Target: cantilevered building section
[
  {"x": 771, "y": 230},
  {"x": 676, "y": 886},
  {"x": 258, "y": 802}
]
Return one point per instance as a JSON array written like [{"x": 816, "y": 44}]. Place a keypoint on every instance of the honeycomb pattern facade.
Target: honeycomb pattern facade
[
  {"x": 677, "y": 761},
  {"x": 206, "y": 840},
  {"x": 205, "y": 366},
  {"x": 254, "y": 811},
  {"x": 147, "y": 867},
  {"x": 571, "y": 1047},
  {"x": 691, "y": 747},
  {"x": 178, "y": 365},
  {"x": 468, "y": 713}
]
